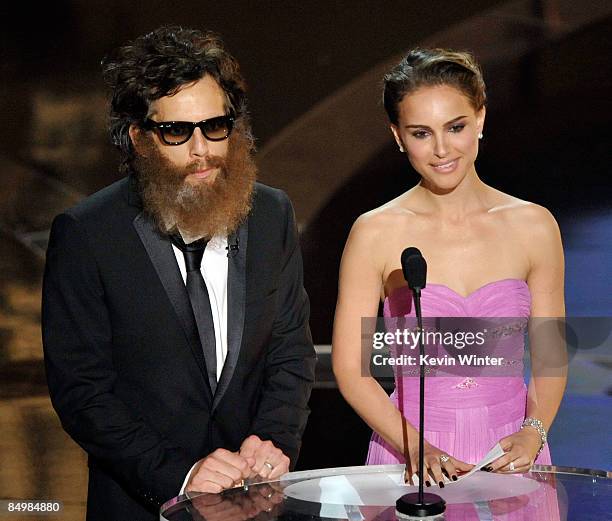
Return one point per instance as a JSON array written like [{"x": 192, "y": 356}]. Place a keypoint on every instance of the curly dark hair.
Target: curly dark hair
[
  {"x": 157, "y": 65},
  {"x": 431, "y": 67}
]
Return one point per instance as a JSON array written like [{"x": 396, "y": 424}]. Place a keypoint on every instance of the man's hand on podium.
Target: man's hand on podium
[
  {"x": 270, "y": 461},
  {"x": 219, "y": 470}
]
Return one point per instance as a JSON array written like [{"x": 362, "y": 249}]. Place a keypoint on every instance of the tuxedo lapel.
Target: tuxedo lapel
[
  {"x": 159, "y": 249},
  {"x": 236, "y": 297}
]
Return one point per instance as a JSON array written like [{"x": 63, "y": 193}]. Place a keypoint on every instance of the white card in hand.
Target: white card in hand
[{"x": 492, "y": 455}]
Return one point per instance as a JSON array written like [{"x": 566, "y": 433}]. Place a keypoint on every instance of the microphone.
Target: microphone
[
  {"x": 414, "y": 268},
  {"x": 233, "y": 245},
  {"x": 417, "y": 504}
]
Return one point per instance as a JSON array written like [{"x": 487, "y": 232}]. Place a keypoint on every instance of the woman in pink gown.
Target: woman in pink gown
[{"x": 489, "y": 255}]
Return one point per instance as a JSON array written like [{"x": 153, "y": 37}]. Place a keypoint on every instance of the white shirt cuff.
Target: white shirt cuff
[{"x": 187, "y": 478}]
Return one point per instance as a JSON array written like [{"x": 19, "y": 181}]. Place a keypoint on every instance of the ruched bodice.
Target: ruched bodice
[
  {"x": 507, "y": 300},
  {"x": 501, "y": 298}
]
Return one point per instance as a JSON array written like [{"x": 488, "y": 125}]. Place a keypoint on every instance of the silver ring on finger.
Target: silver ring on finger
[
  {"x": 269, "y": 465},
  {"x": 511, "y": 466},
  {"x": 444, "y": 458}
]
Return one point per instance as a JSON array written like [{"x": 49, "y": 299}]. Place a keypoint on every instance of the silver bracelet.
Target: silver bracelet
[{"x": 538, "y": 426}]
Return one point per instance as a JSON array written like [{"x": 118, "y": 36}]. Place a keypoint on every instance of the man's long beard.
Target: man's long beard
[{"x": 201, "y": 209}]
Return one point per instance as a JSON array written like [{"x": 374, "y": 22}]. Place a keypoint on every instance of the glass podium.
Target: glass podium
[{"x": 368, "y": 493}]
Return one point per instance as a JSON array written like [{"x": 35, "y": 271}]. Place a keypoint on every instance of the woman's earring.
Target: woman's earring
[
  {"x": 401, "y": 148},
  {"x": 480, "y": 135}
]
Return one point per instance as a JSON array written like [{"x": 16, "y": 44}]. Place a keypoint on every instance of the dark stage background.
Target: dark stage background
[{"x": 314, "y": 72}]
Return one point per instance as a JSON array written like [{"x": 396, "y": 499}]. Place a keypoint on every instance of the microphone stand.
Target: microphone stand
[{"x": 419, "y": 504}]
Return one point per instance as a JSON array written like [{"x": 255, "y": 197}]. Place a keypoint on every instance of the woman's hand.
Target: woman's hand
[
  {"x": 437, "y": 465},
  {"x": 521, "y": 449}
]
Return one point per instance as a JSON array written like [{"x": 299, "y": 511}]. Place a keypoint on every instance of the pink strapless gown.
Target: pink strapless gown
[
  {"x": 467, "y": 416},
  {"x": 464, "y": 416}
]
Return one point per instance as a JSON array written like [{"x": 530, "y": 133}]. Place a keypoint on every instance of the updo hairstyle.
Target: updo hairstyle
[{"x": 429, "y": 68}]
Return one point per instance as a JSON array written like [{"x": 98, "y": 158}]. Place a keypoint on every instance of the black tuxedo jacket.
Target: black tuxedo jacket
[{"x": 125, "y": 369}]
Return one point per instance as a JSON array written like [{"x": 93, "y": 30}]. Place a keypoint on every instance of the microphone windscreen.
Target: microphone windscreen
[{"x": 414, "y": 268}]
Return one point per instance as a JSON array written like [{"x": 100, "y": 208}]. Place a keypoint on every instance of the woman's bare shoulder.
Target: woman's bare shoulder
[
  {"x": 514, "y": 208},
  {"x": 393, "y": 213},
  {"x": 530, "y": 221}
]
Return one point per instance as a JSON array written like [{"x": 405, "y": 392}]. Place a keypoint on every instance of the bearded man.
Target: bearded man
[{"x": 175, "y": 322}]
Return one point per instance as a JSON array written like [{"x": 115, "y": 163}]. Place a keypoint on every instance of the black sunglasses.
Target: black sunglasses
[{"x": 179, "y": 132}]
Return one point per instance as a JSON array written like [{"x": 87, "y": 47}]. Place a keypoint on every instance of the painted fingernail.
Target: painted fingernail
[
  {"x": 454, "y": 477},
  {"x": 441, "y": 484},
  {"x": 427, "y": 483}
]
